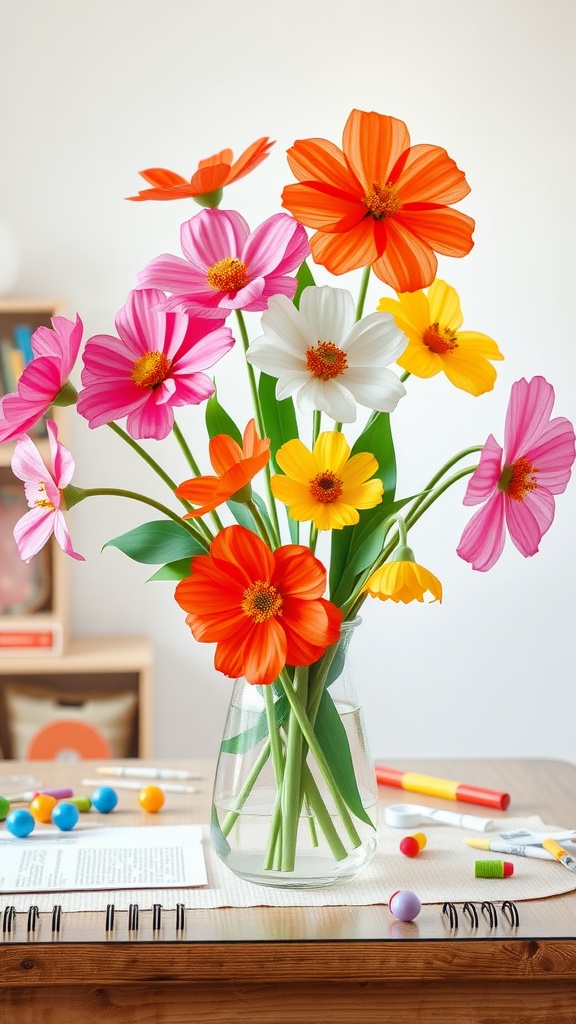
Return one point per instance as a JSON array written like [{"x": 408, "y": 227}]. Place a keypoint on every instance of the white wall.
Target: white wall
[{"x": 91, "y": 93}]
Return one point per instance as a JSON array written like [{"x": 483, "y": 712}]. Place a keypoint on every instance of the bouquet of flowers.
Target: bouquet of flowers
[{"x": 241, "y": 545}]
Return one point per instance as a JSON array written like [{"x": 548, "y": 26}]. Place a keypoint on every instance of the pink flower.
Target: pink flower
[
  {"x": 43, "y": 489},
  {"x": 519, "y": 484},
  {"x": 55, "y": 352},
  {"x": 226, "y": 267},
  {"x": 153, "y": 365}
]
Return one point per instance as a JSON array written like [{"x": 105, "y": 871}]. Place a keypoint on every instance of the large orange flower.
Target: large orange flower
[
  {"x": 234, "y": 466},
  {"x": 210, "y": 178},
  {"x": 379, "y": 201},
  {"x": 262, "y": 608}
]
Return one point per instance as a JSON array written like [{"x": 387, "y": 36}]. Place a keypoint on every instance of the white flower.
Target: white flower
[{"x": 331, "y": 361}]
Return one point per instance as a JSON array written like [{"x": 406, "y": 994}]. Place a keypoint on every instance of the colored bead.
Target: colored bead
[
  {"x": 404, "y": 905},
  {"x": 65, "y": 815},
  {"x": 4, "y": 807},
  {"x": 41, "y": 807},
  {"x": 104, "y": 799},
  {"x": 151, "y": 799},
  {"x": 493, "y": 868},
  {"x": 83, "y": 803},
  {"x": 58, "y": 794},
  {"x": 20, "y": 823},
  {"x": 410, "y": 846}
]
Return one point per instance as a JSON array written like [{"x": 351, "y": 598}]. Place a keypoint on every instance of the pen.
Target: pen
[
  {"x": 121, "y": 771},
  {"x": 168, "y": 787},
  {"x": 497, "y": 846},
  {"x": 416, "y": 783},
  {"x": 560, "y": 854}
]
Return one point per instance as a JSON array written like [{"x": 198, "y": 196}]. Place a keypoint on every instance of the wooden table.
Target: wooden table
[{"x": 337, "y": 965}]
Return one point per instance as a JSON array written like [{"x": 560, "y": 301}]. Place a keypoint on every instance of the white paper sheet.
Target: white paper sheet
[{"x": 146, "y": 857}]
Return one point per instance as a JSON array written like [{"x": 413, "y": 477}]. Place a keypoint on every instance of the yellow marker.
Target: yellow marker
[{"x": 560, "y": 854}]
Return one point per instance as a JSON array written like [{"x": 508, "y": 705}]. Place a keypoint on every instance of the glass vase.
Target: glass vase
[{"x": 295, "y": 801}]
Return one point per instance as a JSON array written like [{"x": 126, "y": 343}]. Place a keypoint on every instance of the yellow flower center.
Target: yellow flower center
[
  {"x": 326, "y": 361},
  {"x": 150, "y": 370},
  {"x": 518, "y": 479},
  {"x": 261, "y": 601},
  {"x": 382, "y": 201},
  {"x": 42, "y": 501},
  {"x": 440, "y": 339},
  {"x": 228, "y": 275},
  {"x": 326, "y": 487}
]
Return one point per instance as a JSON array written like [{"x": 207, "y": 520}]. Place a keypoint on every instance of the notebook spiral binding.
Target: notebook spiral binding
[{"x": 488, "y": 910}]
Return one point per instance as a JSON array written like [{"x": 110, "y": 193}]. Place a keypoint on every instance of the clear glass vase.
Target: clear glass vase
[{"x": 295, "y": 801}]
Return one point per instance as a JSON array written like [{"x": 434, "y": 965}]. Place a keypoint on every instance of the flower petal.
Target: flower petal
[
  {"x": 482, "y": 541},
  {"x": 329, "y": 314}
]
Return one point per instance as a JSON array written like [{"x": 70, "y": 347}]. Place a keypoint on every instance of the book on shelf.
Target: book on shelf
[{"x": 30, "y": 639}]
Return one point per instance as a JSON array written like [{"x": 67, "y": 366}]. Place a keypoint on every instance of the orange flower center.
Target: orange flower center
[
  {"x": 326, "y": 361},
  {"x": 326, "y": 487},
  {"x": 150, "y": 370},
  {"x": 261, "y": 601},
  {"x": 440, "y": 339},
  {"x": 228, "y": 275},
  {"x": 382, "y": 201},
  {"x": 42, "y": 501},
  {"x": 518, "y": 479}
]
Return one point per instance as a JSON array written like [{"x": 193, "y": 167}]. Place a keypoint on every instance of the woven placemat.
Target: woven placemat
[{"x": 443, "y": 871}]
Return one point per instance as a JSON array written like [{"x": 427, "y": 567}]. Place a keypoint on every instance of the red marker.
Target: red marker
[{"x": 445, "y": 788}]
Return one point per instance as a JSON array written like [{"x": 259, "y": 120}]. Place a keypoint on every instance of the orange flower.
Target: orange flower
[
  {"x": 235, "y": 467},
  {"x": 262, "y": 608},
  {"x": 379, "y": 201},
  {"x": 211, "y": 176}
]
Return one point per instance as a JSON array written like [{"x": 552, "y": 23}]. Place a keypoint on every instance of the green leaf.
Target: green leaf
[
  {"x": 280, "y": 421},
  {"x": 219, "y": 422},
  {"x": 331, "y": 736},
  {"x": 376, "y": 438},
  {"x": 172, "y": 571},
  {"x": 244, "y": 741},
  {"x": 305, "y": 280},
  {"x": 157, "y": 542}
]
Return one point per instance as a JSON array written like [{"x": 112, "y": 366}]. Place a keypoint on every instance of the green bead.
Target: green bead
[{"x": 4, "y": 808}]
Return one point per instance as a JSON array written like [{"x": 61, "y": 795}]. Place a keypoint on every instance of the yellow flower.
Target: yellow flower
[
  {"x": 402, "y": 579},
  {"x": 326, "y": 485},
  {"x": 435, "y": 342}
]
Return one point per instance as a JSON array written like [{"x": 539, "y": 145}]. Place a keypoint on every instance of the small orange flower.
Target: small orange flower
[
  {"x": 379, "y": 201},
  {"x": 211, "y": 176},
  {"x": 234, "y": 466},
  {"x": 264, "y": 609}
]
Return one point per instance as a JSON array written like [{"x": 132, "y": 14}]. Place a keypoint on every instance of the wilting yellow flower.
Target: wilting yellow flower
[
  {"x": 325, "y": 485},
  {"x": 435, "y": 342},
  {"x": 402, "y": 579}
]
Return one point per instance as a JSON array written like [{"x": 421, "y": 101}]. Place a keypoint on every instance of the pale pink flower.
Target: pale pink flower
[
  {"x": 226, "y": 267},
  {"x": 55, "y": 352},
  {"x": 154, "y": 364},
  {"x": 43, "y": 488},
  {"x": 519, "y": 483}
]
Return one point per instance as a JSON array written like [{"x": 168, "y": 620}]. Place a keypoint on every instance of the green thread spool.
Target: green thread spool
[{"x": 493, "y": 868}]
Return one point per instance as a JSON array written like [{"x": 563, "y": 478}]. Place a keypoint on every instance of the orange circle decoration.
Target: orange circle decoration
[{"x": 65, "y": 740}]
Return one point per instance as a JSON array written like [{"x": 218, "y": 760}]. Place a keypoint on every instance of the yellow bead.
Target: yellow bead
[
  {"x": 42, "y": 806},
  {"x": 151, "y": 799}
]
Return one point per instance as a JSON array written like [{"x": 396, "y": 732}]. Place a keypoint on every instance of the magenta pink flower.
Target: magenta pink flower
[
  {"x": 55, "y": 352},
  {"x": 519, "y": 484},
  {"x": 154, "y": 364},
  {"x": 226, "y": 267},
  {"x": 43, "y": 489}
]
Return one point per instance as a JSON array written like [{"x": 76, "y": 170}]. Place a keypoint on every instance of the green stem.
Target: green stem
[
  {"x": 313, "y": 537},
  {"x": 147, "y": 458},
  {"x": 316, "y": 422},
  {"x": 292, "y": 788},
  {"x": 441, "y": 472},
  {"x": 362, "y": 292},
  {"x": 308, "y": 734},
  {"x": 118, "y": 492},
  {"x": 322, "y": 814},
  {"x": 272, "y": 855},
  {"x": 260, "y": 523},
  {"x": 232, "y": 816},
  {"x": 259, "y": 420},
  {"x": 185, "y": 448}
]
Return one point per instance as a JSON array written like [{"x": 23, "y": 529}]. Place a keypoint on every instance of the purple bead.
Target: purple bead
[{"x": 405, "y": 905}]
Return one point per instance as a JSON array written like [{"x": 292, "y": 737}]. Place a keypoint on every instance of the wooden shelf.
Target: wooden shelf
[{"x": 91, "y": 664}]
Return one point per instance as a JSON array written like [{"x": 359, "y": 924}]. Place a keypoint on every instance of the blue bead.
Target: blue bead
[
  {"x": 104, "y": 799},
  {"x": 20, "y": 823},
  {"x": 65, "y": 816}
]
